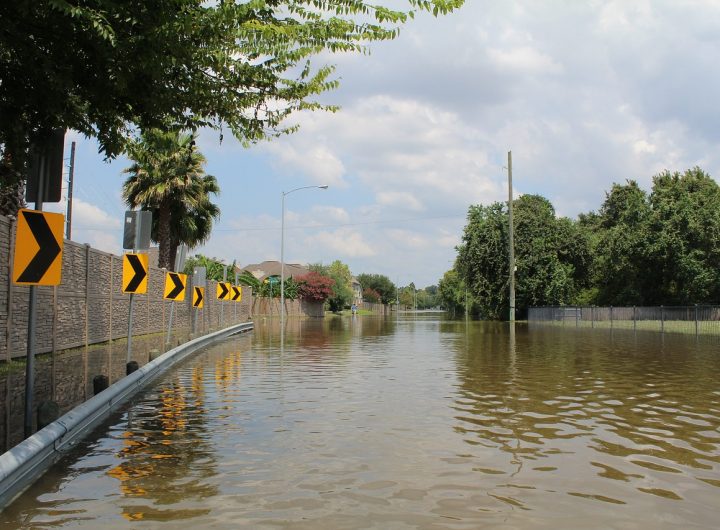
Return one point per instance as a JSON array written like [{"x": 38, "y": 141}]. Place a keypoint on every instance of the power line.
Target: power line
[{"x": 337, "y": 225}]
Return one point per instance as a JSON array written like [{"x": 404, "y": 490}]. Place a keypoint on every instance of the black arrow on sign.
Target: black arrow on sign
[
  {"x": 198, "y": 296},
  {"x": 46, "y": 254},
  {"x": 236, "y": 293},
  {"x": 179, "y": 287},
  {"x": 224, "y": 291},
  {"x": 140, "y": 273}
]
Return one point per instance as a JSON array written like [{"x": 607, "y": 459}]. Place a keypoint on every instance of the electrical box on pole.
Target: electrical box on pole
[
  {"x": 46, "y": 168},
  {"x": 136, "y": 230}
]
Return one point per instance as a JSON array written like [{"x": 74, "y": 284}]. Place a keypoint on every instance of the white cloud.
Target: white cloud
[
  {"x": 318, "y": 162},
  {"x": 343, "y": 243},
  {"x": 90, "y": 216},
  {"x": 401, "y": 199},
  {"x": 408, "y": 239},
  {"x": 524, "y": 60},
  {"x": 330, "y": 214}
]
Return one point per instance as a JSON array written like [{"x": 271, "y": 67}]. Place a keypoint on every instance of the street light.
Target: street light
[{"x": 282, "y": 255}]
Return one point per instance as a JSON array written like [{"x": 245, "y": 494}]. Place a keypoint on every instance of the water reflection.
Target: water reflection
[
  {"x": 575, "y": 406},
  {"x": 412, "y": 422}
]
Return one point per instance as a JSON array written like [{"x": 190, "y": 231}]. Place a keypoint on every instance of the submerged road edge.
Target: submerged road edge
[{"x": 22, "y": 465}]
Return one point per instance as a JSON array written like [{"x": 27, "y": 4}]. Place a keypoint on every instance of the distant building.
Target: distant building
[
  {"x": 268, "y": 269},
  {"x": 357, "y": 291}
]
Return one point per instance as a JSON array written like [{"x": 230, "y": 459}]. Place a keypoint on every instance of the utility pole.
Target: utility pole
[
  {"x": 397, "y": 299},
  {"x": 466, "y": 302},
  {"x": 68, "y": 224},
  {"x": 511, "y": 242}
]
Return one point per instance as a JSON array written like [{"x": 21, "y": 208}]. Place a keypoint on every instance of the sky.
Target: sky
[{"x": 584, "y": 94}]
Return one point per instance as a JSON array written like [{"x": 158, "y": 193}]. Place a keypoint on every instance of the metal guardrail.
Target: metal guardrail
[{"x": 24, "y": 463}]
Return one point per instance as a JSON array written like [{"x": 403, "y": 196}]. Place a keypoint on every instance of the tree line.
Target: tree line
[
  {"x": 330, "y": 284},
  {"x": 640, "y": 248}
]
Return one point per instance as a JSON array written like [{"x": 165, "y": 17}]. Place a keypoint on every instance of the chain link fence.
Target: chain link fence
[{"x": 695, "y": 319}]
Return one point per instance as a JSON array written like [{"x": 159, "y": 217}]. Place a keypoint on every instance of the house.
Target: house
[
  {"x": 269, "y": 269},
  {"x": 357, "y": 291}
]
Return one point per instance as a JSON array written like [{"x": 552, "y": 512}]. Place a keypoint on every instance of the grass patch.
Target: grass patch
[{"x": 707, "y": 327}]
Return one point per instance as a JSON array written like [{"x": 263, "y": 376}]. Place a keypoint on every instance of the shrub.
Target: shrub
[
  {"x": 315, "y": 287},
  {"x": 371, "y": 295}
]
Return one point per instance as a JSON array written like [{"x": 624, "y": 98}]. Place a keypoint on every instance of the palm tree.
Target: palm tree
[
  {"x": 167, "y": 177},
  {"x": 192, "y": 222}
]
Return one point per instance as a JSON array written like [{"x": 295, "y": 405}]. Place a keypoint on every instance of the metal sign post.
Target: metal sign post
[
  {"x": 136, "y": 236},
  {"x": 179, "y": 264},
  {"x": 235, "y": 305},
  {"x": 132, "y": 296},
  {"x": 222, "y": 306},
  {"x": 43, "y": 184},
  {"x": 30, "y": 364},
  {"x": 198, "y": 280}
]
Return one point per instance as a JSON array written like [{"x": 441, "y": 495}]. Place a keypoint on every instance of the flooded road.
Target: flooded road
[{"x": 419, "y": 423}]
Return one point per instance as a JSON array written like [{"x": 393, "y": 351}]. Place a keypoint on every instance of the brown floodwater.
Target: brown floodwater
[{"x": 419, "y": 422}]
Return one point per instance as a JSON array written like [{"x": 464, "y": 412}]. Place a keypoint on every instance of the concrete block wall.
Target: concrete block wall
[{"x": 88, "y": 307}]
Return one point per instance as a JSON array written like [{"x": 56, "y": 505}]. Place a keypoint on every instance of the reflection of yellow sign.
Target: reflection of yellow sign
[
  {"x": 175, "y": 286},
  {"x": 198, "y": 300},
  {"x": 38, "y": 248},
  {"x": 135, "y": 273}
]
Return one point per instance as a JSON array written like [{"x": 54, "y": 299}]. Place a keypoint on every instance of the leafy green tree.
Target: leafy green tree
[
  {"x": 482, "y": 261},
  {"x": 427, "y": 298},
  {"x": 684, "y": 243},
  {"x": 270, "y": 287},
  {"x": 293, "y": 289},
  {"x": 552, "y": 256},
  {"x": 407, "y": 296},
  {"x": 214, "y": 268},
  {"x": 167, "y": 178},
  {"x": 452, "y": 293},
  {"x": 660, "y": 248},
  {"x": 620, "y": 246},
  {"x": 246, "y": 278},
  {"x": 193, "y": 220},
  {"x": 379, "y": 283},
  {"x": 342, "y": 295},
  {"x": 107, "y": 68}
]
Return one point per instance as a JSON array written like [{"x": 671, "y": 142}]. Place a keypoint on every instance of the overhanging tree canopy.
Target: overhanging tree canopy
[{"x": 105, "y": 68}]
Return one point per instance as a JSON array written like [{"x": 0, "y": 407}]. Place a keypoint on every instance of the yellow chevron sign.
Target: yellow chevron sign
[
  {"x": 175, "y": 286},
  {"x": 236, "y": 293},
  {"x": 135, "y": 273},
  {"x": 38, "y": 248},
  {"x": 198, "y": 297},
  {"x": 223, "y": 291}
]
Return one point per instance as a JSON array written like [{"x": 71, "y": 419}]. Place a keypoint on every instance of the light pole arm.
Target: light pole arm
[
  {"x": 323, "y": 187},
  {"x": 282, "y": 257}
]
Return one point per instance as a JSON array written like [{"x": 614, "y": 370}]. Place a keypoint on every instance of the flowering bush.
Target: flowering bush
[
  {"x": 371, "y": 295},
  {"x": 315, "y": 287}
]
